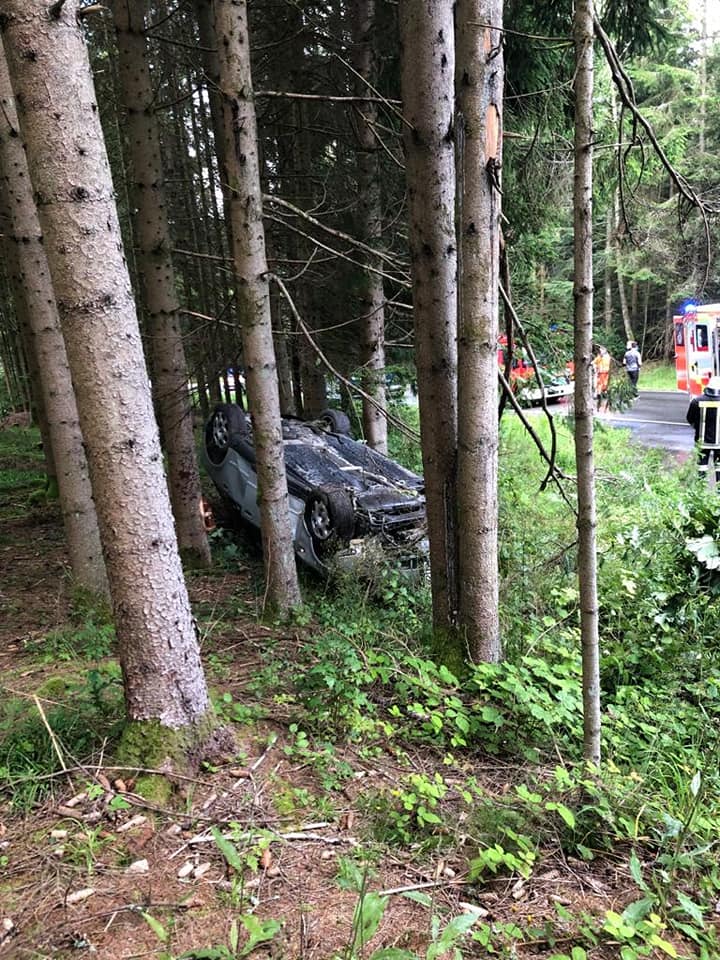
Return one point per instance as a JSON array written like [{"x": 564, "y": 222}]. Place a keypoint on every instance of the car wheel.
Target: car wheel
[
  {"x": 227, "y": 422},
  {"x": 336, "y": 420},
  {"x": 330, "y": 517}
]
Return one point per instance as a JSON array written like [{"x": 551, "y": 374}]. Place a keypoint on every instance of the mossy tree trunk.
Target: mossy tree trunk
[{"x": 163, "y": 678}]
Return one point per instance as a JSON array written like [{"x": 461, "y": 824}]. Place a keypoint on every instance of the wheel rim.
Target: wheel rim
[
  {"x": 220, "y": 432},
  {"x": 321, "y": 525}
]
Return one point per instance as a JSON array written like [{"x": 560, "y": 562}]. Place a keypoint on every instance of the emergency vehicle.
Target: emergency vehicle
[
  {"x": 697, "y": 346},
  {"x": 522, "y": 377}
]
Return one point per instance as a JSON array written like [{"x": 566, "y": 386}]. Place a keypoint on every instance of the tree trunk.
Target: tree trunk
[
  {"x": 607, "y": 273},
  {"x": 26, "y": 259},
  {"x": 38, "y": 414},
  {"x": 479, "y": 91},
  {"x": 584, "y": 400},
  {"x": 164, "y": 682},
  {"x": 253, "y": 294},
  {"x": 157, "y": 275},
  {"x": 369, "y": 219},
  {"x": 427, "y": 79}
]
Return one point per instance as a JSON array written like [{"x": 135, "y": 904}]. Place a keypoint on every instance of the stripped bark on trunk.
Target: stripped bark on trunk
[{"x": 479, "y": 89}]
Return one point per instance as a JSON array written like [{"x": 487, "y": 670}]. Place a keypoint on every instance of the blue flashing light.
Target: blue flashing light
[{"x": 690, "y": 307}]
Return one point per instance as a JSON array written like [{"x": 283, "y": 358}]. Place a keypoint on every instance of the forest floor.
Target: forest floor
[{"x": 280, "y": 841}]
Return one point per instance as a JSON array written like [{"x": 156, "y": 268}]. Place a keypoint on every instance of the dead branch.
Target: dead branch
[
  {"x": 321, "y": 96},
  {"x": 626, "y": 91},
  {"x": 391, "y": 418},
  {"x": 341, "y": 256},
  {"x": 298, "y": 211},
  {"x": 557, "y": 474},
  {"x": 538, "y": 376}
]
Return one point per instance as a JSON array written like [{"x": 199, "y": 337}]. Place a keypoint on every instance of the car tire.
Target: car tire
[
  {"x": 330, "y": 518},
  {"x": 337, "y": 421},
  {"x": 227, "y": 423}
]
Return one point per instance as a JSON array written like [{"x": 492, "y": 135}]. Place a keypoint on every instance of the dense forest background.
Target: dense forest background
[
  {"x": 203, "y": 754},
  {"x": 650, "y": 256}
]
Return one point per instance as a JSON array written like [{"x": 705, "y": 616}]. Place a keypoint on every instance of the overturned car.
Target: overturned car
[{"x": 347, "y": 501}]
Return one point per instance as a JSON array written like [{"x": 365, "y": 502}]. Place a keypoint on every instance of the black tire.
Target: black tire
[
  {"x": 227, "y": 423},
  {"x": 336, "y": 420},
  {"x": 330, "y": 518}
]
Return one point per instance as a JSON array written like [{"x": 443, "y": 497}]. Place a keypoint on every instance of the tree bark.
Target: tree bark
[
  {"x": 163, "y": 677},
  {"x": 584, "y": 400},
  {"x": 26, "y": 259},
  {"x": 427, "y": 80},
  {"x": 157, "y": 275},
  {"x": 607, "y": 273},
  {"x": 369, "y": 219},
  {"x": 479, "y": 89},
  {"x": 253, "y": 294}
]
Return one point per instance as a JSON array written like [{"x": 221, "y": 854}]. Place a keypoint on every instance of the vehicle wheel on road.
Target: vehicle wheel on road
[
  {"x": 330, "y": 517},
  {"x": 227, "y": 422},
  {"x": 338, "y": 421}
]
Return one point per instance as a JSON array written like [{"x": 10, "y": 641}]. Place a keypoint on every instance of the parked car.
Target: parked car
[{"x": 346, "y": 499}]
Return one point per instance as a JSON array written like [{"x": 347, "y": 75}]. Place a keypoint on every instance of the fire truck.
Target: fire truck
[{"x": 697, "y": 346}]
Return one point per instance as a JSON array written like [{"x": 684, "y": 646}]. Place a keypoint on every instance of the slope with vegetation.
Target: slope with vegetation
[{"x": 376, "y": 801}]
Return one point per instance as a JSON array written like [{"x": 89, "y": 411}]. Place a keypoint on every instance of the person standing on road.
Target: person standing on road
[
  {"x": 632, "y": 362},
  {"x": 601, "y": 365},
  {"x": 702, "y": 415}
]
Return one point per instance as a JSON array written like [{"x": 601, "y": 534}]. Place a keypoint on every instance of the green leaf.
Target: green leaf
[
  {"x": 258, "y": 931},
  {"x": 233, "y": 936},
  {"x": 636, "y": 871},
  {"x": 207, "y": 953},
  {"x": 368, "y": 914},
  {"x": 692, "y": 909},
  {"x": 393, "y": 953},
  {"x": 578, "y": 953},
  {"x": 157, "y": 928},
  {"x": 418, "y": 897},
  {"x": 637, "y": 910},
  {"x": 663, "y": 945},
  {"x": 228, "y": 850},
  {"x": 565, "y": 812},
  {"x": 457, "y": 928}
]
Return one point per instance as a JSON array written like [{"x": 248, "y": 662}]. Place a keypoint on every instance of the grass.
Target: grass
[{"x": 658, "y": 376}]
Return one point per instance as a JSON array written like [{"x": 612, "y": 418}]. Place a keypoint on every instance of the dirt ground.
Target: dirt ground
[{"x": 93, "y": 869}]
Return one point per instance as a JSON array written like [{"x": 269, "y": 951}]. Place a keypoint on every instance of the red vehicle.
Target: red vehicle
[
  {"x": 697, "y": 346},
  {"x": 521, "y": 368},
  {"x": 524, "y": 383}
]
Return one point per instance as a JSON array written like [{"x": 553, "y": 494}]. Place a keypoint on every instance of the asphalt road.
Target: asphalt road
[{"x": 657, "y": 419}]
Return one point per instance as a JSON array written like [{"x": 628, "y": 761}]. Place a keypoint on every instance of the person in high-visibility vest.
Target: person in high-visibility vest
[
  {"x": 601, "y": 364},
  {"x": 702, "y": 415}
]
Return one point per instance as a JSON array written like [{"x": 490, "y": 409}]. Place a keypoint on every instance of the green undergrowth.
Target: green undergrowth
[
  {"x": 367, "y": 675},
  {"x": 22, "y": 473},
  {"x": 358, "y": 683}
]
